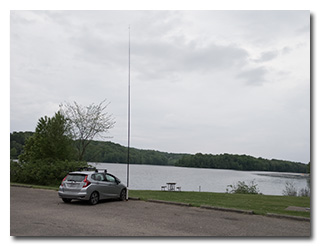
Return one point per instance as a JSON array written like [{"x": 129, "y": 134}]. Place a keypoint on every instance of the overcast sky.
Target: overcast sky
[{"x": 201, "y": 81}]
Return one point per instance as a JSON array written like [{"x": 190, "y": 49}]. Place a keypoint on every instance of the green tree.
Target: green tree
[{"x": 50, "y": 141}]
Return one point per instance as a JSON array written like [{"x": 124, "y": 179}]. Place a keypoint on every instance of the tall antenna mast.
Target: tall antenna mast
[{"x": 128, "y": 154}]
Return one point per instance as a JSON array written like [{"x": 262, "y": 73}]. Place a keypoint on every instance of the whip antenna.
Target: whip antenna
[{"x": 128, "y": 154}]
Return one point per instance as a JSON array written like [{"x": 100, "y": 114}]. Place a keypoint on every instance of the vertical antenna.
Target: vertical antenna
[{"x": 128, "y": 154}]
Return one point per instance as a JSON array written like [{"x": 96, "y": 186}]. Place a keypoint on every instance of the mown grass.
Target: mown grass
[{"x": 260, "y": 204}]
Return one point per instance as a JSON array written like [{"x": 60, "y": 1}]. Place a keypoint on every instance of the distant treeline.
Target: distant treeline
[
  {"x": 110, "y": 152},
  {"x": 241, "y": 162}
]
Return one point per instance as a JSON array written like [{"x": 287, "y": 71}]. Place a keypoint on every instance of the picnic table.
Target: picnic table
[{"x": 171, "y": 186}]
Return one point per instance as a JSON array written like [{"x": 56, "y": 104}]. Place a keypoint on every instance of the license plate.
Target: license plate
[{"x": 73, "y": 185}]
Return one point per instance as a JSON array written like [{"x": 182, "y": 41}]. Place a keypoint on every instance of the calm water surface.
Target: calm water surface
[{"x": 151, "y": 177}]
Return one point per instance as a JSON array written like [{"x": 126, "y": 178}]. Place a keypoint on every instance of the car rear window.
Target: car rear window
[{"x": 75, "y": 177}]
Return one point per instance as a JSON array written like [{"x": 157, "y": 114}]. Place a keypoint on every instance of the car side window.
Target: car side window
[
  {"x": 98, "y": 177},
  {"x": 110, "y": 178}
]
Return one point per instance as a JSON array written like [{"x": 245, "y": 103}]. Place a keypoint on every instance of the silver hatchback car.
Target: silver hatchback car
[{"x": 91, "y": 186}]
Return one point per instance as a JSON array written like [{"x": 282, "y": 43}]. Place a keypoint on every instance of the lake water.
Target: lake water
[{"x": 151, "y": 177}]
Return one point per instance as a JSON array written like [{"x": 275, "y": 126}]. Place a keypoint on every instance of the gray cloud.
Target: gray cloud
[
  {"x": 254, "y": 76},
  {"x": 267, "y": 56},
  {"x": 286, "y": 50},
  {"x": 162, "y": 59}
]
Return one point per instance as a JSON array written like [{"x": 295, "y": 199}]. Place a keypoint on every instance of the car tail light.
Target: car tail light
[
  {"x": 86, "y": 182},
  {"x": 63, "y": 180}
]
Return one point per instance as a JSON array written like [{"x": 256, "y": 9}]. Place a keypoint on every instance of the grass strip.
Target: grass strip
[{"x": 259, "y": 204}]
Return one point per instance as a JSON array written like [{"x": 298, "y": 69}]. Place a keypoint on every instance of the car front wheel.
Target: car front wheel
[
  {"x": 94, "y": 198},
  {"x": 123, "y": 195}
]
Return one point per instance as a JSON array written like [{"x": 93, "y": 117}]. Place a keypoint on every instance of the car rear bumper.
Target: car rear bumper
[{"x": 73, "y": 195}]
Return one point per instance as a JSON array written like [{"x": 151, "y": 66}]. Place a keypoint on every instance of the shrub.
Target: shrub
[
  {"x": 242, "y": 188},
  {"x": 290, "y": 190},
  {"x": 304, "y": 192},
  {"x": 42, "y": 172}
]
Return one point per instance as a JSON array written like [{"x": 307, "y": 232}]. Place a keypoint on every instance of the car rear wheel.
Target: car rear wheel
[
  {"x": 123, "y": 195},
  {"x": 66, "y": 200},
  {"x": 94, "y": 198}
]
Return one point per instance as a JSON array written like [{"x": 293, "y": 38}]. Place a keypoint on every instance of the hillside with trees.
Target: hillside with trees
[
  {"x": 109, "y": 152},
  {"x": 240, "y": 162},
  {"x": 17, "y": 142}
]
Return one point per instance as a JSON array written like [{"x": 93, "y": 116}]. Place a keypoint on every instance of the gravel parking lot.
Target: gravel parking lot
[{"x": 36, "y": 212}]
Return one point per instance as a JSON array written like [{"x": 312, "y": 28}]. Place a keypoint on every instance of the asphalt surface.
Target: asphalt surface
[{"x": 36, "y": 212}]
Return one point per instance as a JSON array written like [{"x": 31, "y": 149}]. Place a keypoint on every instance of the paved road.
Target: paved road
[{"x": 37, "y": 212}]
